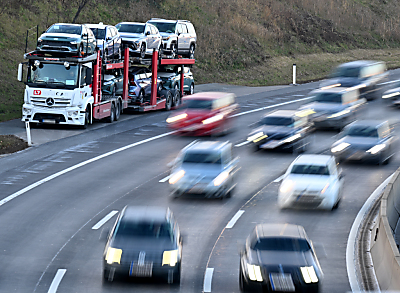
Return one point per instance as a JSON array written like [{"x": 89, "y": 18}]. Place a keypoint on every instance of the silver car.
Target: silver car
[
  {"x": 142, "y": 38},
  {"x": 204, "y": 168}
]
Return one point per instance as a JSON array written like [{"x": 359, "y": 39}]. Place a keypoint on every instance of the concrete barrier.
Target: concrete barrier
[{"x": 384, "y": 250}]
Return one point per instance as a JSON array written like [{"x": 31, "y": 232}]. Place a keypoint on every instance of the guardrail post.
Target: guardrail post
[
  {"x": 294, "y": 74},
  {"x": 28, "y": 133}
]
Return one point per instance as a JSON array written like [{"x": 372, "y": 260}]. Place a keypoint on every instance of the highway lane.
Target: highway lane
[{"x": 49, "y": 227}]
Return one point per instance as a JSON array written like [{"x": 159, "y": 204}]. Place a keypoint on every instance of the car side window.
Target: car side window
[
  {"x": 384, "y": 130},
  {"x": 147, "y": 29},
  {"x": 179, "y": 28},
  {"x": 108, "y": 34},
  {"x": 190, "y": 28},
  {"x": 184, "y": 29}
]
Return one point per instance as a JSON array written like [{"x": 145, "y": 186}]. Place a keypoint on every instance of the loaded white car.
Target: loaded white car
[{"x": 311, "y": 181}]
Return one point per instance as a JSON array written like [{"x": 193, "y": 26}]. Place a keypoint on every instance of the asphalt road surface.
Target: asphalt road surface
[{"x": 52, "y": 195}]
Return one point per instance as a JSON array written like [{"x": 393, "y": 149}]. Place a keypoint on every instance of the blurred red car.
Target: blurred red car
[{"x": 206, "y": 113}]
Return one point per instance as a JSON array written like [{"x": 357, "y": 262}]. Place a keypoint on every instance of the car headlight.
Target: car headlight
[
  {"x": 309, "y": 275},
  {"x": 376, "y": 149},
  {"x": 390, "y": 95},
  {"x": 213, "y": 119},
  {"x": 176, "y": 177},
  {"x": 113, "y": 255},
  {"x": 338, "y": 114},
  {"x": 305, "y": 113},
  {"x": 292, "y": 138},
  {"x": 108, "y": 82},
  {"x": 221, "y": 178},
  {"x": 325, "y": 188},
  {"x": 254, "y": 272},
  {"x": 286, "y": 186},
  {"x": 166, "y": 38},
  {"x": 170, "y": 257},
  {"x": 39, "y": 40},
  {"x": 340, "y": 147},
  {"x": 255, "y": 136},
  {"x": 176, "y": 118}
]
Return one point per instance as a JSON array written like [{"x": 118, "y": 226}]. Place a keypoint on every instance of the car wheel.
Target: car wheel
[
  {"x": 140, "y": 98},
  {"x": 336, "y": 205},
  {"x": 175, "y": 277},
  {"x": 176, "y": 86},
  {"x": 119, "y": 54},
  {"x": 80, "y": 50},
  {"x": 244, "y": 287},
  {"x": 114, "y": 90},
  {"x": 191, "y": 52},
  {"x": 112, "y": 114},
  {"x": 174, "y": 52},
  {"x": 191, "y": 89},
  {"x": 143, "y": 51}
]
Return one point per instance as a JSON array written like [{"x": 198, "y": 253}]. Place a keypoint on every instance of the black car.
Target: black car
[
  {"x": 145, "y": 242},
  {"x": 365, "y": 141},
  {"x": 279, "y": 257},
  {"x": 282, "y": 129},
  {"x": 368, "y": 76}
]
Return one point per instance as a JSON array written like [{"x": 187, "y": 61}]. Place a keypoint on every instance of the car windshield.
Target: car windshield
[
  {"x": 48, "y": 73},
  {"x": 202, "y": 158},
  {"x": 169, "y": 68},
  {"x": 281, "y": 244},
  {"x": 143, "y": 229},
  {"x": 164, "y": 27},
  {"x": 277, "y": 121},
  {"x": 310, "y": 169},
  {"x": 99, "y": 33},
  {"x": 130, "y": 28},
  {"x": 364, "y": 131},
  {"x": 198, "y": 104},
  {"x": 65, "y": 29},
  {"x": 346, "y": 71},
  {"x": 328, "y": 98}
]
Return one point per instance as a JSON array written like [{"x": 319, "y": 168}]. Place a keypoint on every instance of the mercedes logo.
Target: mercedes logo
[{"x": 50, "y": 102}]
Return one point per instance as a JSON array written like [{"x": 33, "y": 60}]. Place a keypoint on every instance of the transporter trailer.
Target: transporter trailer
[{"x": 64, "y": 89}]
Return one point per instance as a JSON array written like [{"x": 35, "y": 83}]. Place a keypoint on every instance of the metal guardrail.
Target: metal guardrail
[{"x": 384, "y": 250}]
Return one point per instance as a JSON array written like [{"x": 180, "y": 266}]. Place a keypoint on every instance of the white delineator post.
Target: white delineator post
[
  {"x": 28, "y": 133},
  {"x": 294, "y": 74}
]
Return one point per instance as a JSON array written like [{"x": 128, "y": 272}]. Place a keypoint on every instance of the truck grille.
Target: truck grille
[{"x": 51, "y": 102}]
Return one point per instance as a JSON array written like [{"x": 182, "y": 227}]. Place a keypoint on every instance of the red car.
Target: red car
[{"x": 207, "y": 113}]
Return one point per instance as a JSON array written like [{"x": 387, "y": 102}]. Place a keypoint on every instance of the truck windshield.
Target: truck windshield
[{"x": 53, "y": 74}]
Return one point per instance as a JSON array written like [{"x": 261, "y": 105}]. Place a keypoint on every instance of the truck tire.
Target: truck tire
[
  {"x": 111, "y": 118},
  {"x": 117, "y": 110},
  {"x": 176, "y": 97},
  {"x": 167, "y": 95}
]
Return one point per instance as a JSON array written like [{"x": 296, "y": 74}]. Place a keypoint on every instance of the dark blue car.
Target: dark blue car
[{"x": 108, "y": 39}]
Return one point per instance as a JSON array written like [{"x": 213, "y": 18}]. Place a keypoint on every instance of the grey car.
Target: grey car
[
  {"x": 108, "y": 39},
  {"x": 368, "y": 76},
  {"x": 365, "y": 141},
  {"x": 333, "y": 108},
  {"x": 171, "y": 78},
  {"x": 204, "y": 168},
  {"x": 141, "y": 38},
  {"x": 178, "y": 36},
  {"x": 67, "y": 38},
  {"x": 392, "y": 95}
]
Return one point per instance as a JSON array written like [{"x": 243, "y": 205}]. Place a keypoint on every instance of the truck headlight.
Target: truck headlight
[
  {"x": 26, "y": 111},
  {"x": 376, "y": 149},
  {"x": 170, "y": 257},
  {"x": 309, "y": 275},
  {"x": 254, "y": 273},
  {"x": 113, "y": 255}
]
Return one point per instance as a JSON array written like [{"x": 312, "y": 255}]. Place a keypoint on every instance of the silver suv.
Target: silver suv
[{"x": 178, "y": 36}]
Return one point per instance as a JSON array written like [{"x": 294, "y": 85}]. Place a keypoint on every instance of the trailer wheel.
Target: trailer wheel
[
  {"x": 168, "y": 99},
  {"x": 176, "y": 94},
  {"x": 112, "y": 114},
  {"x": 117, "y": 111}
]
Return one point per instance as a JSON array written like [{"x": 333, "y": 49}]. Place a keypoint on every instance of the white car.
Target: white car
[{"x": 311, "y": 181}]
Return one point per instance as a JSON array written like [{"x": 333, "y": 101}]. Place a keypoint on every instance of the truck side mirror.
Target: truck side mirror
[{"x": 20, "y": 72}]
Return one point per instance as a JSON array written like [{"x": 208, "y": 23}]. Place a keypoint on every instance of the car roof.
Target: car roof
[
  {"x": 371, "y": 123},
  {"x": 207, "y": 96},
  {"x": 145, "y": 213},
  {"x": 336, "y": 89},
  {"x": 359, "y": 63},
  {"x": 282, "y": 113},
  {"x": 127, "y": 22},
  {"x": 206, "y": 145},
  {"x": 280, "y": 230},
  {"x": 312, "y": 159},
  {"x": 73, "y": 24},
  {"x": 97, "y": 25}
]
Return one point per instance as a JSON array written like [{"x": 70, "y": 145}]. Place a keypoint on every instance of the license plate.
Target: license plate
[
  {"x": 281, "y": 282},
  {"x": 52, "y": 121},
  {"x": 271, "y": 144},
  {"x": 141, "y": 270}
]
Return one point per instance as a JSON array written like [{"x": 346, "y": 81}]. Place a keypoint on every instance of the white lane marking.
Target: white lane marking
[
  {"x": 241, "y": 144},
  {"x": 40, "y": 182},
  {"x": 233, "y": 221},
  {"x": 270, "y": 106},
  {"x": 57, "y": 280},
  {"x": 208, "y": 279},
  {"x": 165, "y": 179},
  {"x": 104, "y": 220},
  {"x": 351, "y": 241},
  {"x": 298, "y": 95},
  {"x": 279, "y": 179},
  {"x": 388, "y": 82}
]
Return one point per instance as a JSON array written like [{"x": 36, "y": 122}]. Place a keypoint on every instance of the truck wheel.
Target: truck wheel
[
  {"x": 168, "y": 99},
  {"x": 87, "y": 118},
  {"x": 117, "y": 111},
  {"x": 112, "y": 114},
  {"x": 176, "y": 97}
]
